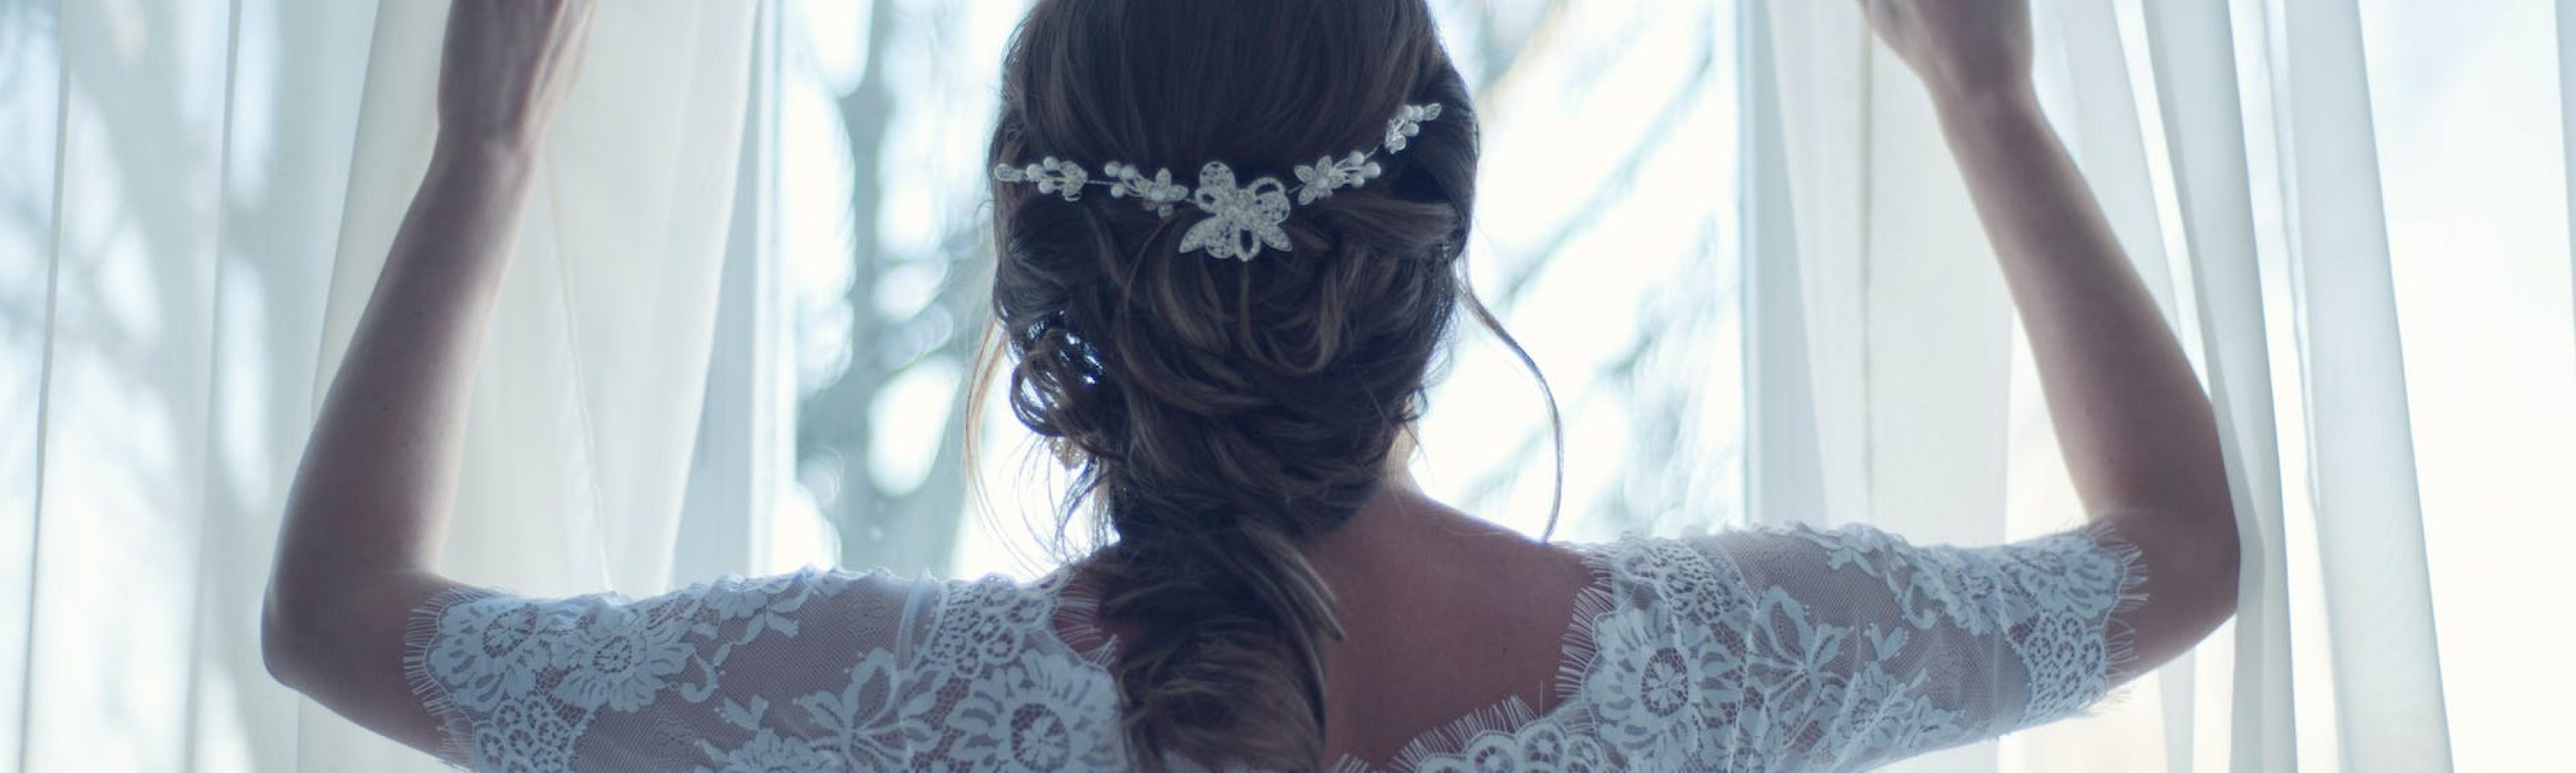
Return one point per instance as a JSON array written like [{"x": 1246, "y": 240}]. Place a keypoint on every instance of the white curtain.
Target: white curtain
[
  {"x": 2234, "y": 145},
  {"x": 197, "y": 198}
]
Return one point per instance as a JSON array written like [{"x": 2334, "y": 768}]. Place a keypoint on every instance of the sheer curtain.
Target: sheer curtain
[
  {"x": 196, "y": 200},
  {"x": 2238, "y": 149}
]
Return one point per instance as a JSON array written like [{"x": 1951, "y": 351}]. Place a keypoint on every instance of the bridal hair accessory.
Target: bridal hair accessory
[{"x": 1242, "y": 219}]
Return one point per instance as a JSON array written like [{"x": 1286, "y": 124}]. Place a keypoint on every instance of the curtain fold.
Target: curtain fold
[
  {"x": 2197, "y": 90},
  {"x": 2378, "y": 590},
  {"x": 1784, "y": 474},
  {"x": 129, "y": 425},
  {"x": 1821, "y": 60},
  {"x": 2567, "y": 111},
  {"x": 30, "y": 146}
]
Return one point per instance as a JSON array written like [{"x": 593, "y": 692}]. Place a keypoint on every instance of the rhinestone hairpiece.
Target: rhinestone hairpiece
[{"x": 1242, "y": 219}]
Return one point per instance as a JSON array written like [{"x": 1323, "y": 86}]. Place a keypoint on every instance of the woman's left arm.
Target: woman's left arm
[{"x": 367, "y": 512}]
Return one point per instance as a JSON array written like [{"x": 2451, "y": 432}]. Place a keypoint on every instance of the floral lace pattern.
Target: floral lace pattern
[
  {"x": 552, "y": 685},
  {"x": 1788, "y": 649}
]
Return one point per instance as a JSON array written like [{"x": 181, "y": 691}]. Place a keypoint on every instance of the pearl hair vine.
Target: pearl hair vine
[{"x": 1242, "y": 219}]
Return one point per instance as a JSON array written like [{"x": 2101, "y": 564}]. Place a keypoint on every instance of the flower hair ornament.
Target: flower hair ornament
[{"x": 1242, "y": 219}]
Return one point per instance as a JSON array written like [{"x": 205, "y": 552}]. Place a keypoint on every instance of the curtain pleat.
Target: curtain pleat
[
  {"x": 2369, "y": 524},
  {"x": 2567, "y": 114},
  {"x": 30, "y": 148},
  {"x": 1821, "y": 58},
  {"x": 127, "y": 440},
  {"x": 2466, "y": 100},
  {"x": 1784, "y": 479},
  {"x": 2205, "y": 135},
  {"x": 641, "y": 247},
  {"x": 288, "y": 150},
  {"x": 744, "y": 449}
]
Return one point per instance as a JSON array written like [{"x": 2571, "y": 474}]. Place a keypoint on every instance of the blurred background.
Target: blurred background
[{"x": 188, "y": 193}]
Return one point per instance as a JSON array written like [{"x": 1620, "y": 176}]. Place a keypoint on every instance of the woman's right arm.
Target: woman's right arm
[{"x": 2136, "y": 429}]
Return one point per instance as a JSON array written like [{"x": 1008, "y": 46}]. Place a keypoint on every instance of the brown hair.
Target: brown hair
[{"x": 1215, "y": 413}]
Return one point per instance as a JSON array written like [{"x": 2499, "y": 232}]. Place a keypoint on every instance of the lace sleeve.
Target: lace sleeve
[
  {"x": 1835, "y": 650},
  {"x": 675, "y": 682}
]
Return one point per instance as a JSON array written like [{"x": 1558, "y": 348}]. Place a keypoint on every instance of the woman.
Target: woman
[{"x": 1226, "y": 357}]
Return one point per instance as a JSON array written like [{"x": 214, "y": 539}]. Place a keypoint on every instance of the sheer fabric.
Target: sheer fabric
[
  {"x": 1787, "y": 649},
  {"x": 195, "y": 201}
]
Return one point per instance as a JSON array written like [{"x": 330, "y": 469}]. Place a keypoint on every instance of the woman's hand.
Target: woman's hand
[
  {"x": 1961, "y": 48},
  {"x": 508, "y": 65}
]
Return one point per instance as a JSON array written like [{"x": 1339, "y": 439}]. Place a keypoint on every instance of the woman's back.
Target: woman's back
[
  {"x": 1227, "y": 386},
  {"x": 1468, "y": 648}
]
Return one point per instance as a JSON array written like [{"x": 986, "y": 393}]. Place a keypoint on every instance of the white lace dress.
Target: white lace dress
[{"x": 1774, "y": 650}]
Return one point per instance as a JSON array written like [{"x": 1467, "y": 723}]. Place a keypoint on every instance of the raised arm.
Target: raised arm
[
  {"x": 367, "y": 511},
  {"x": 2135, "y": 428}
]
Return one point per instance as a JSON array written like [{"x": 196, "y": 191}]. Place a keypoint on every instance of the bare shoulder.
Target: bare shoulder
[{"x": 1448, "y": 615}]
